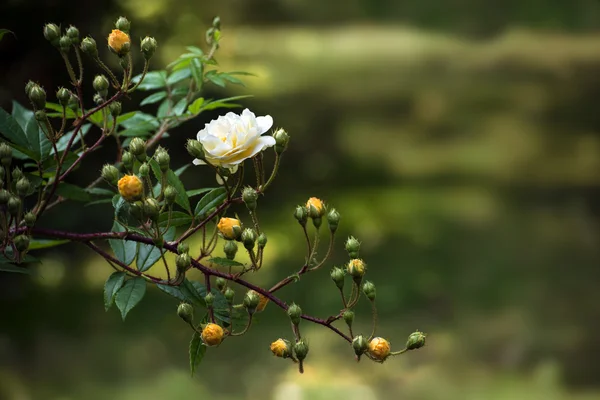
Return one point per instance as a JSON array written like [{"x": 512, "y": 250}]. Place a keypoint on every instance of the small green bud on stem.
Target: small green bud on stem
[
  {"x": 110, "y": 174},
  {"x": 294, "y": 312},
  {"x": 301, "y": 215},
  {"x": 186, "y": 312},
  {"x": 249, "y": 195},
  {"x": 360, "y": 345},
  {"x": 337, "y": 276},
  {"x": 281, "y": 140},
  {"x": 352, "y": 247},
  {"x": 369, "y": 290},
  {"x": 148, "y": 47},
  {"x": 251, "y": 300},
  {"x": 416, "y": 340},
  {"x": 230, "y": 248},
  {"x": 170, "y": 194},
  {"x": 248, "y": 238},
  {"x": 88, "y": 46}
]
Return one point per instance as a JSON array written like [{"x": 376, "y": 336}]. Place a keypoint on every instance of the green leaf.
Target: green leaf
[
  {"x": 178, "y": 76},
  {"x": 164, "y": 108},
  {"x": 4, "y": 32},
  {"x": 196, "y": 106},
  {"x": 135, "y": 133},
  {"x": 225, "y": 262},
  {"x": 195, "y": 50},
  {"x": 216, "y": 79},
  {"x": 174, "y": 181},
  {"x": 197, "y": 351},
  {"x": 152, "y": 80},
  {"x": 181, "y": 170},
  {"x": 37, "y": 244},
  {"x": 10, "y": 128},
  {"x": 196, "y": 192},
  {"x": 38, "y": 142},
  {"x": 111, "y": 287},
  {"x": 14, "y": 268},
  {"x": 61, "y": 144},
  {"x": 130, "y": 295},
  {"x": 141, "y": 121},
  {"x": 191, "y": 293},
  {"x": 230, "y": 78},
  {"x": 154, "y": 98},
  {"x": 149, "y": 254},
  {"x": 100, "y": 191},
  {"x": 180, "y": 107},
  {"x": 72, "y": 192},
  {"x": 70, "y": 114},
  {"x": 212, "y": 199},
  {"x": 178, "y": 218},
  {"x": 223, "y": 103},
  {"x": 197, "y": 68},
  {"x": 172, "y": 291},
  {"x": 124, "y": 250}
]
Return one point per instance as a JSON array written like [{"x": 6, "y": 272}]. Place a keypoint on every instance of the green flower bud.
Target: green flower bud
[
  {"x": 352, "y": 247},
  {"x": 144, "y": 170},
  {"x": 301, "y": 349},
  {"x": 123, "y": 24},
  {"x": 110, "y": 174},
  {"x": 183, "y": 248},
  {"x": 163, "y": 159},
  {"x": 229, "y": 295},
  {"x": 281, "y": 141},
  {"x": 98, "y": 99},
  {"x": 249, "y": 195},
  {"x": 64, "y": 43},
  {"x": 23, "y": 186},
  {"x": 63, "y": 95},
  {"x": 28, "y": 87},
  {"x": 333, "y": 218},
  {"x": 183, "y": 262},
  {"x": 115, "y": 108},
  {"x": 40, "y": 115},
  {"x": 170, "y": 194},
  {"x": 4, "y": 196},
  {"x": 416, "y": 340},
  {"x": 186, "y": 312},
  {"x": 21, "y": 242},
  {"x": 101, "y": 85},
  {"x": 151, "y": 208},
  {"x": 262, "y": 240},
  {"x": 301, "y": 215},
  {"x": 337, "y": 275},
  {"x": 216, "y": 22},
  {"x": 137, "y": 147},
  {"x": 137, "y": 210},
  {"x": 73, "y": 102},
  {"x": 360, "y": 345},
  {"x": 248, "y": 238},
  {"x": 37, "y": 96},
  {"x": 317, "y": 222},
  {"x": 14, "y": 205},
  {"x": 127, "y": 160},
  {"x": 73, "y": 34},
  {"x": 251, "y": 300},
  {"x": 148, "y": 47},
  {"x": 17, "y": 174},
  {"x": 88, "y": 46},
  {"x": 220, "y": 282},
  {"x": 195, "y": 149},
  {"x": 294, "y": 312},
  {"x": 209, "y": 299},
  {"x": 29, "y": 219},
  {"x": 230, "y": 248},
  {"x": 369, "y": 290},
  {"x": 52, "y": 33},
  {"x": 348, "y": 316},
  {"x": 5, "y": 154}
]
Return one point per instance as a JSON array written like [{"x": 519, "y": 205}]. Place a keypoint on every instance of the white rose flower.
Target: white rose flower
[{"x": 231, "y": 138}]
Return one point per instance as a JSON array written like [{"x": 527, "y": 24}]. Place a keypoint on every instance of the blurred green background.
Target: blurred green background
[{"x": 460, "y": 140}]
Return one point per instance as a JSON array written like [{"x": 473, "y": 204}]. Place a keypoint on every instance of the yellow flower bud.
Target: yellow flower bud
[
  {"x": 281, "y": 348},
  {"x": 212, "y": 334},
  {"x": 262, "y": 303},
  {"x": 315, "y": 207},
  {"x": 379, "y": 348},
  {"x": 356, "y": 268},
  {"x": 230, "y": 228},
  {"x": 131, "y": 188},
  {"x": 119, "y": 42}
]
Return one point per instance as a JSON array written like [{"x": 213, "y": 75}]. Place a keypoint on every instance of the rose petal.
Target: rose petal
[{"x": 264, "y": 123}]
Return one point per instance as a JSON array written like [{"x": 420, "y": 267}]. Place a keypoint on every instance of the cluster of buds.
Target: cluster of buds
[
  {"x": 136, "y": 187},
  {"x": 63, "y": 42},
  {"x": 14, "y": 187}
]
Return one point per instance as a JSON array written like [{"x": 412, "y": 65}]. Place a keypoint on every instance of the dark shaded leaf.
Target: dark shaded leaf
[
  {"x": 212, "y": 199},
  {"x": 154, "y": 98},
  {"x": 72, "y": 192},
  {"x": 225, "y": 262},
  {"x": 111, "y": 287},
  {"x": 124, "y": 250},
  {"x": 197, "y": 351},
  {"x": 130, "y": 295}
]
